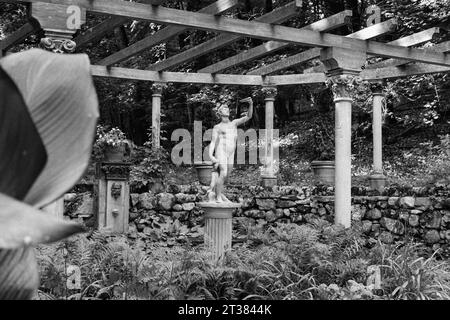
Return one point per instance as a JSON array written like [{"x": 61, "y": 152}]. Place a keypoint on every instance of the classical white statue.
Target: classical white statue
[{"x": 222, "y": 149}]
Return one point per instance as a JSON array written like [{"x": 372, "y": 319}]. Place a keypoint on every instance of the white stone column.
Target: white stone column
[
  {"x": 157, "y": 89},
  {"x": 343, "y": 173},
  {"x": 343, "y": 67},
  {"x": 377, "y": 179},
  {"x": 269, "y": 178},
  {"x": 218, "y": 228}
]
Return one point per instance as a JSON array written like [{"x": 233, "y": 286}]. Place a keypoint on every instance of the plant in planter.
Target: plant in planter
[
  {"x": 110, "y": 145},
  {"x": 323, "y": 145}
]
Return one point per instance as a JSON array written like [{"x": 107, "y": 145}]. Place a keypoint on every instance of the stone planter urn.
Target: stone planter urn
[
  {"x": 323, "y": 171},
  {"x": 114, "y": 154},
  {"x": 204, "y": 169}
]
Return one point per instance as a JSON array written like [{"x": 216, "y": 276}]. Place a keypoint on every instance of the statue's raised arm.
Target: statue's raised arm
[{"x": 249, "y": 114}]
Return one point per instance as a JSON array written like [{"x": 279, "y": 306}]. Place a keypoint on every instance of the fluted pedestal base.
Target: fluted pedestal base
[{"x": 218, "y": 227}]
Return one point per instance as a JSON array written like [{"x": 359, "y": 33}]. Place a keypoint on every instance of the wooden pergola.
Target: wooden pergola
[{"x": 344, "y": 60}]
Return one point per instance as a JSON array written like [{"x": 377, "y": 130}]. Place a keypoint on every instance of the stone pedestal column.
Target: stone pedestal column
[
  {"x": 113, "y": 196},
  {"x": 269, "y": 178},
  {"x": 343, "y": 66},
  {"x": 59, "y": 23},
  {"x": 377, "y": 179},
  {"x": 218, "y": 227},
  {"x": 157, "y": 89}
]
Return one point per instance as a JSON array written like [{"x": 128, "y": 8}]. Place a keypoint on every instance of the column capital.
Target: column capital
[
  {"x": 58, "y": 45},
  {"x": 158, "y": 87},
  {"x": 343, "y": 86},
  {"x": 269, "y": 92},
  {"x": 377, "y": 86}
]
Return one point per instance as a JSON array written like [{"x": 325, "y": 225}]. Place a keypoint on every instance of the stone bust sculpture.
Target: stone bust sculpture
[{"x": 222, "y": 149}]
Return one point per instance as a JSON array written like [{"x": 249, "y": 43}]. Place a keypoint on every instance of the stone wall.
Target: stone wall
[{"x": 423, "y": 214}]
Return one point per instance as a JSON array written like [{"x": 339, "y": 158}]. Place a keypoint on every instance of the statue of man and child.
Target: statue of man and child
[{"x": 222, "y": 149}]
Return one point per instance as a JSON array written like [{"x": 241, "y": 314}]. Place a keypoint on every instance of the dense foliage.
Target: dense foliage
[{"x": 316, "y": 261}]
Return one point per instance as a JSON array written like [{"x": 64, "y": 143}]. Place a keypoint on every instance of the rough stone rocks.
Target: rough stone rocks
[
  {"x": 367, "y": 226},
  {"x": 265, "y": 204},
  {"x": 393, "y": 201},
  {"x": 165, "y": 201},
  {"x": 322, "y": 211},
  {"x": 374, "y": 214},
  {"x": 433, "y": 220},
  {"x": 386, "y": 237},
  {"x": 147, "y": 201},
  {"x": 446, "y": 203},
  {"x": 133, "y": 215},
  {"x": 392, "y": 225},
  {"x": 413, "y": 220},
  {"x": 407, "y": 202},
  {"x": 184, "y": 198},
  {"x": 188, "y": 206},
  {"x": 177, "y": 207},
  {"x": 423, "y": 203},
  {"x": 134, "y": 199},
  {"x": 286, "y": 204},
  {"x": 270, "y": 216},
  {"x": 432, "y": 236}
]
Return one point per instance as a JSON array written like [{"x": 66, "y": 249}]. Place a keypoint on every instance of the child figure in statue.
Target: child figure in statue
[{"x": 222, "y": 149}]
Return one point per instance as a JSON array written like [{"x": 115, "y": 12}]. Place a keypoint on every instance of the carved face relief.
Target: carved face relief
[{"x": 116, "y": 190}]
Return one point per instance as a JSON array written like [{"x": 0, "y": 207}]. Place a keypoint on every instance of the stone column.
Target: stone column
[
  {"x": 112, "y": 196},
  {"x": 56, "y": 22},
  {"x": 157, "y": 89},
  {"x": 377, "y": 179},
  {"x": 269, "y": 178},
  {"x": 218, "y": 228},
  {"x": 343, "y": 66}
]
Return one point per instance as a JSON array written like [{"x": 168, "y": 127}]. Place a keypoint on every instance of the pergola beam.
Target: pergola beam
[
  {"x": 324, "y": 25},
  {"x": 163, "y": 35},
  {"x": 256, "y": 80},
  {"x": 277, "y": 16},
  {"x": 255, "y": 29},
  {"x": 408, "y": 41},
  {"x": 18, "y": 36},
  {"x": 441, "y": 47},
  {"x": 302, "y": 57},
  {"x": 98, "y": 31}
]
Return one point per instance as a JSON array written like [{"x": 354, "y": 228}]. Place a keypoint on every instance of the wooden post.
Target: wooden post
[
  {"x": 113, "y": 196},
  {"x": 268, "y": 178},
  {"x": 343, "y": 67},
  {"x": 377, "y": 179},
  {"x": 157, "y": 89}
]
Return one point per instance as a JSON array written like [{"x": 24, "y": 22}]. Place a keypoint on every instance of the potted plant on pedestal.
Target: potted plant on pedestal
[
  {"x": 204, "y": 169},
  {"x": 111, "y": 143}
]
